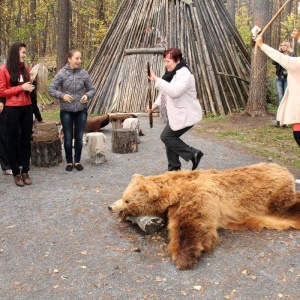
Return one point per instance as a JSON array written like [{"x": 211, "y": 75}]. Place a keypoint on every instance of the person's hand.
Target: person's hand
[
  {"x": 68, "y": 98},
  {"x": 259, "y": 41},
  {"x": 1, "y": 107},
  {"x": 84, "y": 99},
  {"x": 28, "y": 86},
  {"x": 154, "y": 107},
  {"x": 152, "y": 76}
]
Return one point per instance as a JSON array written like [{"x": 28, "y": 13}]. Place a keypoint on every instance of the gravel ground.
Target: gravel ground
[{"x": 58, "y": 240}]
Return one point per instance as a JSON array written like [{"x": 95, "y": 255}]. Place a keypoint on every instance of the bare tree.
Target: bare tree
[
  {"x": 63, "y": 29},
  {"x": 257, "y": 104}
]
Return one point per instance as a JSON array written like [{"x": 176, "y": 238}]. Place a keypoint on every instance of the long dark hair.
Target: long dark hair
[{"x": 13, "y": 64}]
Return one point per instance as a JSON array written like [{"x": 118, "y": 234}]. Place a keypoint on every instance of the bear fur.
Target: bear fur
[
  {"x": 199, "y": 202},
  {"x": 94, "y": 124}
]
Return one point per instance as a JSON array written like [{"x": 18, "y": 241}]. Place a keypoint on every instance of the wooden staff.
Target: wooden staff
[
  {"x": 149, "y": 96},
  {"x": 265, "y": 28}
]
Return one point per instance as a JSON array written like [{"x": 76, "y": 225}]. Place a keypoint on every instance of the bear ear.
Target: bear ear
[
  {"x": 137, "y": 176},
  {"x": 153, "y": 191}
]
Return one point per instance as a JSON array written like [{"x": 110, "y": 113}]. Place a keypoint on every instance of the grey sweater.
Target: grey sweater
[{"x": 75, "y": 82}]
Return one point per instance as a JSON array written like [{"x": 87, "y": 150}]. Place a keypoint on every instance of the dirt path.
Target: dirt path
[{"x": 58, "y": 240}]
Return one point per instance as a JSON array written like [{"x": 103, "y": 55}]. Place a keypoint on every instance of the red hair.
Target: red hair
[{"x": 175, "y": 54}]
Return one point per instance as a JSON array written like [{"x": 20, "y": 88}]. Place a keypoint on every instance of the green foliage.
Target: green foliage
[
  {"x": 243, "y": 24},
  {"x": 293, "y": 20}
]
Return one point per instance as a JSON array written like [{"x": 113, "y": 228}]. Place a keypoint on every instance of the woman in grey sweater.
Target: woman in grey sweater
[{"x": 72, "y": 86}]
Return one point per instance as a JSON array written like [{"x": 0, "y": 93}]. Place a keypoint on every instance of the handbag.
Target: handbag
[{"x": 45, "y": 132}]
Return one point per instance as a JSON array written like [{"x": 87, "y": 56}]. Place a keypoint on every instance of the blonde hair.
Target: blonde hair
[{"x": 39, "y": 74}]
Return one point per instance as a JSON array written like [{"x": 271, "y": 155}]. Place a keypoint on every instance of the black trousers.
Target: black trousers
[
  {"x": 3, "y": 156},
  {"x": 19, "y": 121},
  {"x": 175, "y": 147}
]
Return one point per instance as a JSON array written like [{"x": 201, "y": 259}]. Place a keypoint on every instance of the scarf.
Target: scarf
[{"x": 168, "y": 76}]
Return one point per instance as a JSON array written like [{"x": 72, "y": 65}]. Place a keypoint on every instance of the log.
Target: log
[
  {"x": 124, "y": 141},
  {"x": 145, "y": 51},
  {"x": 46, "y": 154},
  {"x": 148, "y": 224}
]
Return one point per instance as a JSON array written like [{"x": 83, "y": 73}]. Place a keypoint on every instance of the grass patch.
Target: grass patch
[
  {"x": 51, "y": 115},
  {"x": 257, "y": 135}
]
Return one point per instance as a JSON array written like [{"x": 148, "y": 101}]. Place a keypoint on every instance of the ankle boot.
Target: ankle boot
[
  {"x": 26, "y": 178},
  {"x": 18, "y": 180}
]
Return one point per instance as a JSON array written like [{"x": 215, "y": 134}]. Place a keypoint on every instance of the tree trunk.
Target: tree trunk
[
  {"x": 124, "y": 141},
  {"x": 231, "y": 9},
  {"x": 46, "y": 154},
  {"x": 63, "y": 13},
  {"x": 257, "y": 104},
  {"x": 32, "y": 46}
]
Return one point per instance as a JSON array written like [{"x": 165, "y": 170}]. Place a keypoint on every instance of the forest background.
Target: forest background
[
  {"x": 38, "y": 24},
  {"x": 50, "y": 28}
]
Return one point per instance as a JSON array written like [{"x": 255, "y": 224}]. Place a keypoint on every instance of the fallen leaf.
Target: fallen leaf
[
  {"x": 83, "y": 267},
  {"x": 184, "y": 293},
  {"x": 197, "y": 287},
  {"x": 244, "y": 272},
  {"x": 158, "y": 279},
  {"x": 226, "y": 297},
  {"x": 83, "y": 252},
  {"x": 97, "y": 191},
  {"x": 253, "y": 277},
  {"x": 55, "y": 271},
  {"x": 55, "y": 286},
  {"x": 280, "y": 295}
]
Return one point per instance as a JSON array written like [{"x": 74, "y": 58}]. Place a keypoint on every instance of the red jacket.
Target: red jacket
[{"x": 15, "y": 95}]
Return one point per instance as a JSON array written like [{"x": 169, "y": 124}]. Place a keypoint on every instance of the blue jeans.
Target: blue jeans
[
  {"x": 73, "y": 127},
  {"x": 281, "y": 84}
]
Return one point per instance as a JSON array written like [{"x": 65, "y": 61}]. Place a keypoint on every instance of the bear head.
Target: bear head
[{"x": 139, "y": 199}]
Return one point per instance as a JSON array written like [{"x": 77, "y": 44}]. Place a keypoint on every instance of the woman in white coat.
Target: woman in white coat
[
  {"x": 289, "y": 108},
  {"x": 180, "y": 108}
]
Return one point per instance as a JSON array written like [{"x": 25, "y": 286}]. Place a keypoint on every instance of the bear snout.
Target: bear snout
[{"x": 116, "y": 206}]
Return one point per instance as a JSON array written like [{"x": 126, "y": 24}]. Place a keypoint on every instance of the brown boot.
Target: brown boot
[
  {"x": 18, "y": 180},
  {"x": 26, "y": 178}
]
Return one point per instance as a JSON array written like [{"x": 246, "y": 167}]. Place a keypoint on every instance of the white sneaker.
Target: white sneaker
[
  {"x": 8, "y": 172},
  {"x": 297, "y": 181}
]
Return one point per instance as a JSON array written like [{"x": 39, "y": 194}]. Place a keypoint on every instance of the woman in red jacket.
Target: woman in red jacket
[{"x": 15, "y": 86}]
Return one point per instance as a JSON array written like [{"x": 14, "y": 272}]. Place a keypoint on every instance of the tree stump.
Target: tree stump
[
  {"x": 124, "y": 141},
  {"x": 95, "y": 145},
  {"x": 45, "y": 154}
]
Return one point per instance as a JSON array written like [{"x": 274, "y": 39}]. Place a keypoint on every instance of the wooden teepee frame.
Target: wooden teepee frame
[{"x": 142, "y": 29}]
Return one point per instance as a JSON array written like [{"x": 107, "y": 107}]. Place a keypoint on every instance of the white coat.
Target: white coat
[
  {"x": 183, "y": 107},
  {"x": 289, "y": 109}
]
